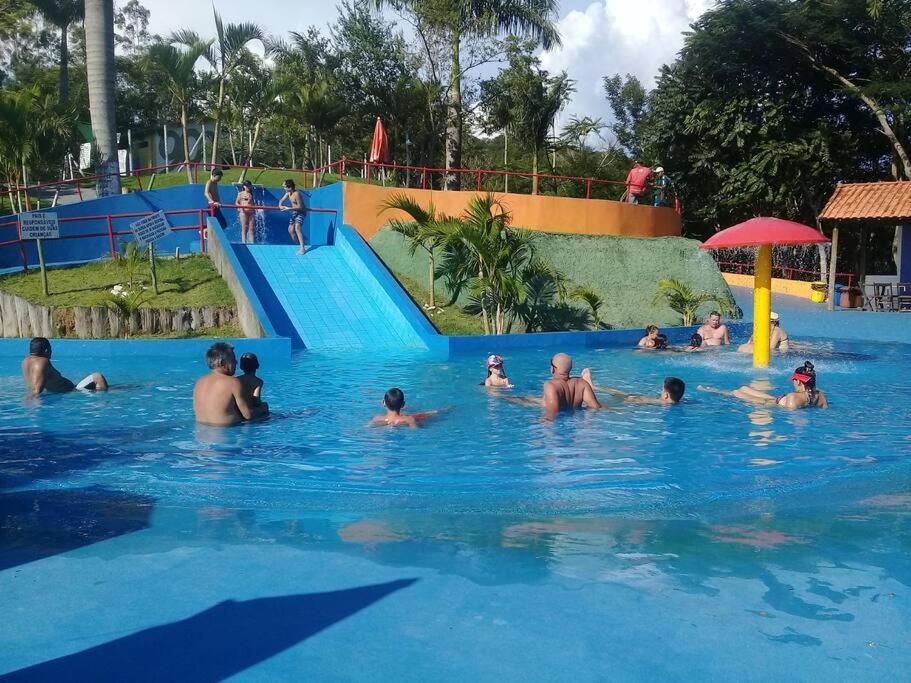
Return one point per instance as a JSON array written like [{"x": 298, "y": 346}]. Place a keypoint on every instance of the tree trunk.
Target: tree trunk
[
  {"x": 506, "y": 160},
  {"x": 64, "y": 64},
  {"x": 454, "y": 116},
  {"x": 433, "y": 301},
  {"x": 218, "y": 108},
  {"x": 186, "y": 143},
  {"x": 99, "y": 57},
  {"x": 483, "y": 305},
  {"x": 233, "y": 152},
  {"x": 534, "y": 171}
]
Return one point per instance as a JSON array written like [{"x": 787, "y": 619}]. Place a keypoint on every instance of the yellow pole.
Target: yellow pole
[{"x": 762, "y": 306}]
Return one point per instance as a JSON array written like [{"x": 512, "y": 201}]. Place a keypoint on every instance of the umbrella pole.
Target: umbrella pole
[{"x": 762, "y": 306}]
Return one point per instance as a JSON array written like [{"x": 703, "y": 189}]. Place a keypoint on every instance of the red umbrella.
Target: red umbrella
[
  {"x": 759, "y": 231},
  {"x": 379, "y": 148}
]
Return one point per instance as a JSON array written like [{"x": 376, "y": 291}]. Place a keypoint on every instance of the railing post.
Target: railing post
[
  {"x": 423, "y": 178},
  {"x": 111, "y": 237},
  {"x": 21, "y": 246},
  {"x": 79, "y": 189},
  {"x": 588, "y": 188},
  {"x": 202, "y": 229},
  {"x": 341, "y": 168},
  {"x": 479, "y": 181}
]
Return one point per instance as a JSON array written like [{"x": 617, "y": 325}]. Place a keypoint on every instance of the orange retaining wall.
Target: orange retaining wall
[
  {"x": 362, "y": 206},
  {"x": 779, "y": 285}
]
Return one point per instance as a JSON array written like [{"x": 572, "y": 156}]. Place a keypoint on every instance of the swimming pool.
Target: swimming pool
[{"x": 710, "y": 540}]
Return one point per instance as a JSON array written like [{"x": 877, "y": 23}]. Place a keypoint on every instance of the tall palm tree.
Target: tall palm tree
[
  {"x": 226, "y": 55},
  {"x": 99, "y": 66},
  {"x": 177, "y": 66},
  {"x": 425, "y": 230},
  {"x": 477, "y": 18},
  {"x": 62, "y": 13}
]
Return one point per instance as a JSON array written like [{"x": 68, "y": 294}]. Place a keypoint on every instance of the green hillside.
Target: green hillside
[{"x": 623, "y": 270}]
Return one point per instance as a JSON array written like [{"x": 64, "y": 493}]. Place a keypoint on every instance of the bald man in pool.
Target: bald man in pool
[{"x": 564, "y": 392}]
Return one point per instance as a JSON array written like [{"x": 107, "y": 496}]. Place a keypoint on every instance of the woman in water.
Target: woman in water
[
  {"x": 496, "y": 375},
  {"x": 805, "y": 394},
  {"x": 649, "y": 340},
  {"x": 695, "y": 343},
  {"x": 247, "y": 219}
]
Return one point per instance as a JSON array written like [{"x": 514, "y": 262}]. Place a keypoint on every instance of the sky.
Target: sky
[{"x": 600, "y": 37}]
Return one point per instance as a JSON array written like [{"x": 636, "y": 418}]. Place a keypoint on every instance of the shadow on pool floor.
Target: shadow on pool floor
[{"x": 214, "y": 644}]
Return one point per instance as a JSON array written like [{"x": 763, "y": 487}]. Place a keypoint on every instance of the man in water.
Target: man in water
[
  {"x": 214, "y": 199},
  {"x": 671, "y": 393},
  {"x": 394, "y": 402},
  {"x": 713, "y": 333},
  {"x": 564, "y": 392},
  {"x": 218, "y": 398},
  {"x": 778, "y": 338},
  {"x": 296, "y": 222},
  {"x": 40, "y": 375}
]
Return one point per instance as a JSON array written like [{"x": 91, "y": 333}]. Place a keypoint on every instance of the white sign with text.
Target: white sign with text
[
  {"x": 39, "y": 225},
  {"x": 151, "y": 228}
]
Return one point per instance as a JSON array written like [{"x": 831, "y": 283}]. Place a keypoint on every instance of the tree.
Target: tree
[
  {"x": 628, "y": 101},
  {"x": 525, "y": 99},
  {"x": 62, "y": 13},
  {"x": 682, "y": 299},
  {"x": 227, "y": 54},
  {"x": 460, "y": 19},
  {"x": 426, "y": 230},
  {"x": 99, "y": 50},
  {"x": 178, "y": 69}
]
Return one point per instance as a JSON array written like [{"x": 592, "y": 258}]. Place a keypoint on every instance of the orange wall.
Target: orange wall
[
  {"x": 534, "y": 212},
  {"x": 779, "y": 285}
]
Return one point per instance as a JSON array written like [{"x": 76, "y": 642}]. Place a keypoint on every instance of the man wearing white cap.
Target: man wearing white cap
[
  {"x": 662, "y": 187},
  {"x": 778, "y": 338}
]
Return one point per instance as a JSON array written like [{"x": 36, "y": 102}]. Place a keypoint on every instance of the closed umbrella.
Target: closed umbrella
[{"x": 379, "y": 148}]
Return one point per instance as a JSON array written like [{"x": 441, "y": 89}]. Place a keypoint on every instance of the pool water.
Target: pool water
[{"x": 709, "y": 540}]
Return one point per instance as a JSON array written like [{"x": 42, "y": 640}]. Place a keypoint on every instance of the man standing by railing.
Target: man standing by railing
[
  {"x": 636, "y": 182},
  {"x": 214, "y": 198}
]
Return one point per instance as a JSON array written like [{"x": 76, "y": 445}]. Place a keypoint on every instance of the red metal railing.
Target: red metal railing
[
  {"x": 424, "y": 177},
  {"x": 786, "y": 272},
  {"x": 111, "y": 233}
]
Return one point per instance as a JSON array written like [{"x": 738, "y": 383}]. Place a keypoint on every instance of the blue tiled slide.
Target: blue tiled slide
[{"x": 325, "y": 299}]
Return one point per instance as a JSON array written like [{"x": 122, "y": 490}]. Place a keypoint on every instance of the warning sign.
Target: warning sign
[
  {"x": 39, "y": 225},
  {"x": 151, "y": 228}
]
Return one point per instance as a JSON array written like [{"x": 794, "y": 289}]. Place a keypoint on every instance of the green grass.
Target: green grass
[
  {"x": 450, "y": 320},
  {"x": 190, "y": 282}
]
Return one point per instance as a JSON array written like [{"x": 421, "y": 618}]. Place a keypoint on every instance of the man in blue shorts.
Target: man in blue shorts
[{"x": 296, "y": 222}]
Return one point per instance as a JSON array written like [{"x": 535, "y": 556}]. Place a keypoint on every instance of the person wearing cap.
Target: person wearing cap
[
  {"x": 496, "y": 375},
  {"x": 778, "y": 338},
  {"x": 662, "y": 187},
  {"x": 805, "y": 394}
]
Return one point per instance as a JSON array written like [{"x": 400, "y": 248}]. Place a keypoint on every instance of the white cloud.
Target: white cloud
[{"x": 618, "y": 36}]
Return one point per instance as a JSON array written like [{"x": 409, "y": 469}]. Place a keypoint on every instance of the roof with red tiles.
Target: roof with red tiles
[{"x": 869, "y": 201}]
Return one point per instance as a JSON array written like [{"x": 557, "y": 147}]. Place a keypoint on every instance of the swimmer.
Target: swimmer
[
  {"x": 713, "y": 333},
  {"x": 695, "y": 344},
  {"x": 563, "y": 392},
  {"x": 671, "y": 393},
  {"x": 218, "y": 398},
  {"x": 296, "y": 222},
  {"x": 805, "y": 394},
  {"x": 40, "y": 375},
  {"x": 393, "y": 402},
  {"x": 648, "y": 341},
  {"x": 778, "y": 338},
  {"x": 496, "y": 375},
  {"x": 247, "y": 217},
  {"x": 251, "y": 385}
]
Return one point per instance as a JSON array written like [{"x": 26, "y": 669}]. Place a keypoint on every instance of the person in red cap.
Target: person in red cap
[
  {"x": 636, "y": 182},
  {"x": 805, "y": 394},
  {"x": 496, "y": 375}
]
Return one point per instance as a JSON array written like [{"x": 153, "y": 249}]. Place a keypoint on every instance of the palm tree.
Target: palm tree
[
  {"x": 593, "y": 300},
  {"x": 99, "y": 66},
  {"x": 227, "y": 54},
  {"x": 62, "y": 13},
  {"x": 682, "y": 299},
  {"x": 177, "y": 66},
  {"x": 460, "y": 19},
  {"x": 426, "y": 230}
]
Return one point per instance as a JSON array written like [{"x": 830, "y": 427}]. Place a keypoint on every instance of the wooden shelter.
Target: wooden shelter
[{"x": 885, "y": 204}]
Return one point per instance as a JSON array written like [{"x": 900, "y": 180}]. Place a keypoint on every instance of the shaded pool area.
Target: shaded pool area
[{"x": 707, "y": 541}]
